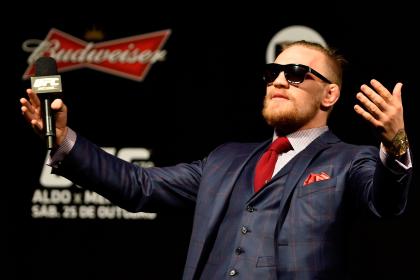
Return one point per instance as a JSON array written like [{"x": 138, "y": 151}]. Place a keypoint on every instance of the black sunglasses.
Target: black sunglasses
[{"x": 294, "y": 73}]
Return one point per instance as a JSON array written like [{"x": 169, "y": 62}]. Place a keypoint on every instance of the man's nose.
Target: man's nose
[{"x": 281, "y": 80}]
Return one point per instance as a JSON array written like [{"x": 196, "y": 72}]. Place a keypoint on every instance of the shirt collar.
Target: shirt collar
[{"x": 302, "y": 138}]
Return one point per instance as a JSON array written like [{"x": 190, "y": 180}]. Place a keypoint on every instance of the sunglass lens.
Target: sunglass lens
[
  {"x": 271, "y": 72},
  {"x": 295, "y": 74}
]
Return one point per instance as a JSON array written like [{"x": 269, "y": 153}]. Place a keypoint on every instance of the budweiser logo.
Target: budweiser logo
[{"x": 129, "y": 57}]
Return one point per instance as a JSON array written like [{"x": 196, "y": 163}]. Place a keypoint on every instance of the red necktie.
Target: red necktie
[{"x": 265, "y": 166}]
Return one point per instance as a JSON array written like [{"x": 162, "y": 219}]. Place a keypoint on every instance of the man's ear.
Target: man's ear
[{"x": 330, "y": 97}]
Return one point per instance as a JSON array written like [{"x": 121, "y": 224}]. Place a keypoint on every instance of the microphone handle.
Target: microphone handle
[{"x": 49, "y": 124}]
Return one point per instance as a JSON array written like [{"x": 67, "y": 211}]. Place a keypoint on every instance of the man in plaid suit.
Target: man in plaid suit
[{"x": 291, "y": 228}]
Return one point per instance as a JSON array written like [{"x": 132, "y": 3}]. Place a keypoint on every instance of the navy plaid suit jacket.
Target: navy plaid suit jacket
[{"x": 311, "y": 217}]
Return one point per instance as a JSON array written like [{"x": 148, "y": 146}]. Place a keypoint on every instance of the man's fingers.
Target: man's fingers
[
  {"x": 369, "y": 105},
  {"x": 33, "y": 98},
  {"x": 366, "y": 115},
  {"x": 396, "y": 92},
  {"x": 57, "y": 105},
  {"x": 381, "y": 90},
  {"x": 26, "y": 106}
]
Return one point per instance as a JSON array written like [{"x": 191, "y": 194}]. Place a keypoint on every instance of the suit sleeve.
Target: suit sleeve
[
  {"x": 383, "y": 191},
  {"x": 128, "y": 185}
]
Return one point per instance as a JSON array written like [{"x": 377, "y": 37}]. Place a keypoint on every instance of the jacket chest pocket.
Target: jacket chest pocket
[{"x": 317, "y": 180}]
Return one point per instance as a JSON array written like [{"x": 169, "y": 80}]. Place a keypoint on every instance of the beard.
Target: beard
[{"x": 288, "y": 119}]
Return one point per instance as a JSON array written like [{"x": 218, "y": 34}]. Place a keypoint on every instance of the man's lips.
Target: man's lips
[{"x": 279, "y": 95}]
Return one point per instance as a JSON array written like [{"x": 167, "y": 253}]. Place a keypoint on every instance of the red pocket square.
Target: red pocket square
[{"x": 315, "y": 177}]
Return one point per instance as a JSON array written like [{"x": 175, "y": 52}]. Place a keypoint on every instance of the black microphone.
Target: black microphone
[{"x": 47, "y": 85}]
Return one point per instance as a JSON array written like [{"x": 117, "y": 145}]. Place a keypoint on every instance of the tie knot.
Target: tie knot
[{"x": 281, "y": 145}]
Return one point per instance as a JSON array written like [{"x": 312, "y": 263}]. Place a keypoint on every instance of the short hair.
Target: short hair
[{"x": 336, "y": 60}]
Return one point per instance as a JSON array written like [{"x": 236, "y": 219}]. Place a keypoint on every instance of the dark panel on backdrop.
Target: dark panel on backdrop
[{"x": 201, "y": 89}]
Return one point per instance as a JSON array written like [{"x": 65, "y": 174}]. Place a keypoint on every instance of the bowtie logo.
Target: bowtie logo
[
  {"x": 129, "y": 57},
  {"x": 315, "y": 177}
]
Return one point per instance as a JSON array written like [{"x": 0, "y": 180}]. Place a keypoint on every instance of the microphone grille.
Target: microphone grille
[{"x": 45, "y": 66}]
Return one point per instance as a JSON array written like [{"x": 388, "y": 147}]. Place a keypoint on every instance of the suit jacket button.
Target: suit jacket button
[
  {"x": 244, "y": 230},
  {"x": 250, "y": 208},
  {"x": 233, "y": 272},
  {"x": 239, "y": 251}
]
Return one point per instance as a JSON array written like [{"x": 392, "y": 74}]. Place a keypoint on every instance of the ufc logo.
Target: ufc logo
[{"x": 46, "y": 82}]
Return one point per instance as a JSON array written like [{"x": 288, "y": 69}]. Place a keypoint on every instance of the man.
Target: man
[{"x": 246, "y": 224}]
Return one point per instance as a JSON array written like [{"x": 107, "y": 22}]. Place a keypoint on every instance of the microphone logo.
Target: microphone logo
[{"x": 45, "y": 84}]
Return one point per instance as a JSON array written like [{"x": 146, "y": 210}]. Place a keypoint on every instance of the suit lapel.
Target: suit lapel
[
  {"x": 302, "y": 162},
  {"x": 220, "y": 203},
  {"x": 299, "y": 166},
  {"x": 235, "y": 169}
]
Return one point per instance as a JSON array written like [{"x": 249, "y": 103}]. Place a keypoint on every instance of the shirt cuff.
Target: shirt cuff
[
  {"x": 397, "y": 166},
  {"x": 64, "y": 149}
]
